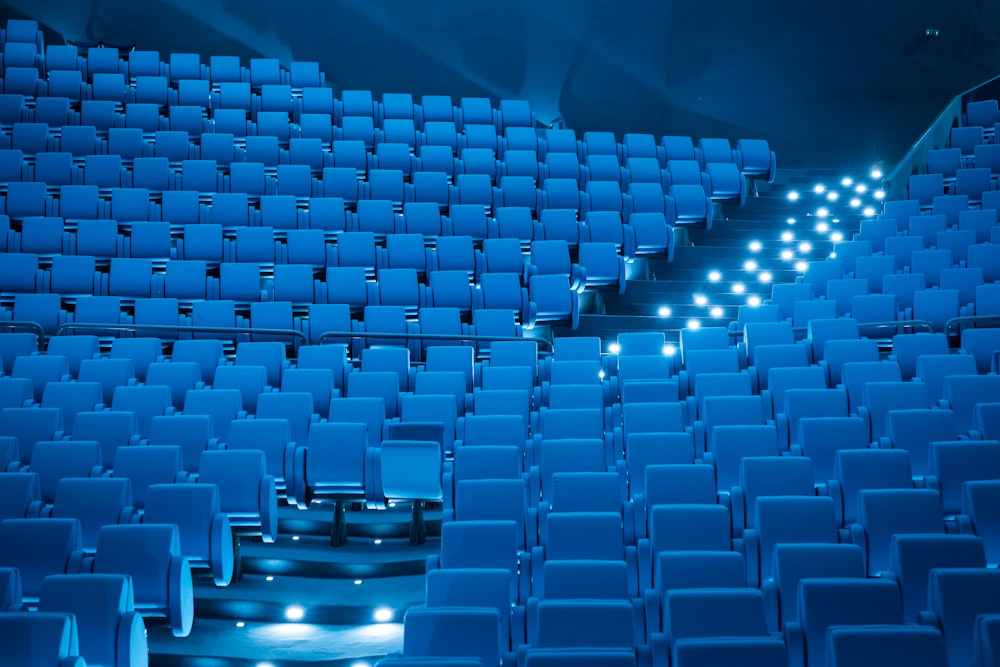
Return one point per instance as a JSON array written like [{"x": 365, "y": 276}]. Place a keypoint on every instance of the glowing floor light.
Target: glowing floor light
[
  {"x": 714, "y": 276},
  {"x": 716, "y": 312},
  {"x": 793, "y": 195},
  {"x": 664, "y": 311},
  {"x": 615, "y": 348},
  {"x": 876, "y": 173},
  {"x": 693, "y": 324},
  {"x": 383, "y": 615},
  {"x": 295, "y": 612}
]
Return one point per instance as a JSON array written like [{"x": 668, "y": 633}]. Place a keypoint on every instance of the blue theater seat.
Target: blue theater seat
[
  {"x": 38, "y": 548},
  {"x": 41, "y": 639},
  {"x": 869, "y": 646},
  {"x": 479, "y": 587},
  {"x": 682, "y": 527},
  {"x": 447, "y": 633},
  {"x": 96, "y": 503},
  {"x": 825, "y": 603},
  {"x": 962, "y": 392},
  {"x": 907, "y": 347},
  {"x": 54, "y": 460},
  {"x": 795, "y": 562},
  {"x": 29, "y": 426},
  {"x": 206, "y": 538},
  {"x": 883, "y": 513},
  {"x": 958, "y": 462},
  {"x": 696, "y": 615},
  {"x": 41, "y": 370},
  {"x": 915, "y": 556},
  {"x": 861, "y": 469},
  {"x": 161, "y": 578},
  {"x": 572, "y": 625},
  {"x": 20, "y": 498},
  {"x": 956, "y": 597},
  {"x": 979, "y": 505},
  {"x": 914, "y": 430},
  {"x": 790, "y": 519},
  {"x": 247, "y": 493}
]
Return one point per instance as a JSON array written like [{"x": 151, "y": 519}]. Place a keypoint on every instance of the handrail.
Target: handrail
[
  {"x": 887, "y": 323},
  {"x": 193, "y": 328},
  {"x": 935, "y": 135},
  {"x": 956, "y": 322},
  {"x": 544, "y": 343},
  {"x": 28, "y": 324}
]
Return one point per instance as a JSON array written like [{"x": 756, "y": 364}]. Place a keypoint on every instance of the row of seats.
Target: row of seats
[
  {"x": 189, "y": 278},
  {"x": 687, "y": 204},
  {"x": 211, "y": 232}
]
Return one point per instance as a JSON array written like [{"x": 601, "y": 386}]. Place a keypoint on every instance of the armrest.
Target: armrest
[
  {"x": 644, "y": 556},
  {"x": 268, "y": 503},
  {"x": 632, "y": 563},
  {"x": 836, "y": 492},
  {"x": 737, "y": 502},
  {"x": 772, "y": 605},
  {"x": 651, "y": 602},
  {"x": 180, "y": 597},
  {"x": 856, "y": 535},
  {"x": 751, "y": 551},
  {"x": 929, "y": 618},
  {"x": 795, "y": 640},
  {"x": 222, "y": 553},
  {"x": 131, "y": 645}
]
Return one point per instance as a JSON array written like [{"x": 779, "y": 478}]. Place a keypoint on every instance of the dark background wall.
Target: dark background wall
[{"x": 829, "y": 84}]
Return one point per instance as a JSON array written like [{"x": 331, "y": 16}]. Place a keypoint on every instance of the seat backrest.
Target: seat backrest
[
  {"x": 723, "y": 612},
  {"x": 957, "y": 597},
  {"x": 591, "y": 623},
  {"x": 887, "y": 512},
  {"x": 689, "y": 528},
  {"x": 914, "y": 556},
  {"x": 859, "y": 646},
  {"x": 584, "y": 536},
  {"x": 957, "y": 462},
  {"x": 40, "y": 639},
  {"x": 858, "y": 469},
  {"x": 914, "y": 430},
  {"x": 95, "y": 502},
  {"x": 824, "y": 603},
  {"x": 699, "y": 569},
  {"x": 792, "y": 519},
  {"x": 100, "y": 603},
  {"x": 38, "y": 548},
  {"x": 452, "y": 632},
  {"x": 795, "y": 562}
]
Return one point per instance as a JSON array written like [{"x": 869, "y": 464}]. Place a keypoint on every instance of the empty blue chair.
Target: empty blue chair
[
  {"x": 958, "y": 462},
  {"x": 824, "y": 603},
  {"x": 883, "y": 513},
  {"x": 41, "y": 638},
  {"x": 870, "y": 646},
  {"x": 956, "y": 597},
  {"x": 962, "y": 392},
  {"x": 206, "y": 538},
  {"x": 697, "y": 615},
  {"x": 161, "y": 577},
  {"x": 246, "y": 492},
  {"x": 38, "y": 548},
  {"x": 795, "y": 562},
  {"x": 791, "y": 519},
  {"x": 915, "y": 556},
  {"x": 470, "y": 632},
  {"x": 979, "y": 505},
  {"x": 29, "y": 426}
]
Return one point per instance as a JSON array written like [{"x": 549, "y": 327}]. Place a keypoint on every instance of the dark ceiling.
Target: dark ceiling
[{"x": 829, "y": 84}]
